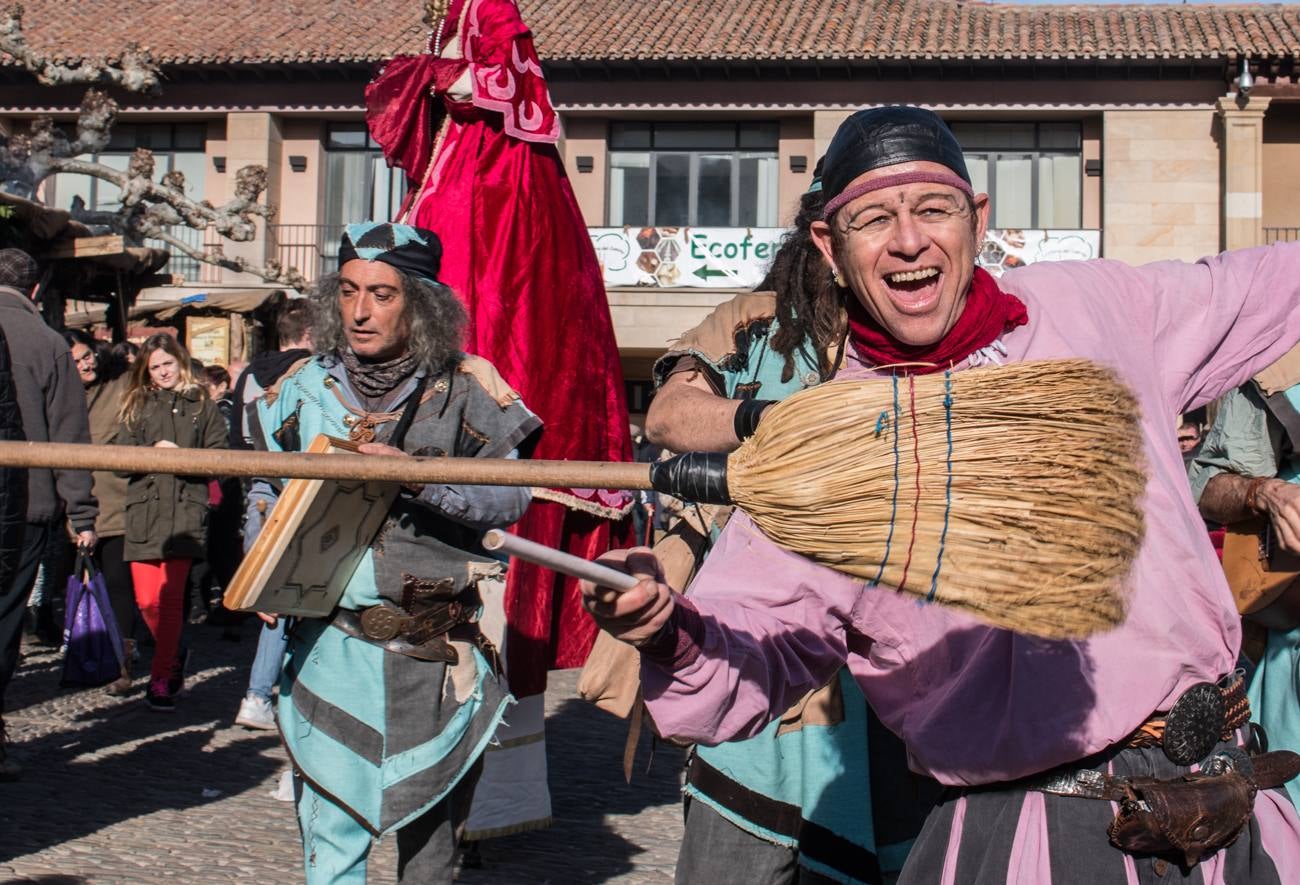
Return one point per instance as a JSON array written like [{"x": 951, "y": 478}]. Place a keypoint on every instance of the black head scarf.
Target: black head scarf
[
  {"x": 879, "y": 137},
  {"x": 413, "y": 250}
]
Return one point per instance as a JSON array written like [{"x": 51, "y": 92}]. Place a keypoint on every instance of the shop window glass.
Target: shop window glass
[
  {"x": 673, "y": 174},
  {"x": 359, "y": 185},
  {"x": 629, "y": 188},
  {"x": 1033, "y": 172},
  {"x": 672, "y": 188}
]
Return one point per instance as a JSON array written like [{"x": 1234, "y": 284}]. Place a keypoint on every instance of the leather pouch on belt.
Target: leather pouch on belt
[
  {"x": 1190, "y": 817},
  {"x": 1195, "y": 815}
]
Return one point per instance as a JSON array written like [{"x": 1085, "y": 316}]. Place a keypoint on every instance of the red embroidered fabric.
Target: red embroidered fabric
[
  {"x": 989, "y": 312},
  {"x": 516, "y": 250}
]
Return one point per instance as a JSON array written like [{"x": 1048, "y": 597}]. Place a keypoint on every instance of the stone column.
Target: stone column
[
  {"x": 824, "y": 125},
  {"x": 1243, "y": 170},
  {"x": 253, "y": 139}
]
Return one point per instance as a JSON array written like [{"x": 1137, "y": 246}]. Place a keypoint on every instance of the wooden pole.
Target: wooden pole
[{"x": 300, "y": 465}]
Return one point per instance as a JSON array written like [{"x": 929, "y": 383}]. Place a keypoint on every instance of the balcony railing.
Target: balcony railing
[
  {"x": 312, "y": 248},
  {"x": 1281, "y": 234},
  {"x": 191, "y": 269}
]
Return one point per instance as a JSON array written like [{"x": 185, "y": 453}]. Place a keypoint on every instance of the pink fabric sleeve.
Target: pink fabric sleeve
[
  {"x": 1217, "y": 322},
  {"x": 768, "y": 626}
]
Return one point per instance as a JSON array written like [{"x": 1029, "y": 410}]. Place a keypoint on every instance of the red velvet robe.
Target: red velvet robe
[{"x": 516, "y": 250}]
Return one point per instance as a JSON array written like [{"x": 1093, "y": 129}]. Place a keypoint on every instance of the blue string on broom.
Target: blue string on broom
[
  {"x": 947, "y": 504},
  {"x": 893, "y": 504}
]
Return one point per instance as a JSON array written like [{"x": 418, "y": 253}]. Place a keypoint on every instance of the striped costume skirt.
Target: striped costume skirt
[{"x": 985, "y": 836}]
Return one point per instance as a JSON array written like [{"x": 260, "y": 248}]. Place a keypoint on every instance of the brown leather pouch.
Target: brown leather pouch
[
  {"x": 1189, "y": 817},
  {"x": 1263, "y": 577}
]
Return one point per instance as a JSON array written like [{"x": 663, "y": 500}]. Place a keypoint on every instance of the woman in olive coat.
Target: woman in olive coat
[{"x": 166, "y": 515}]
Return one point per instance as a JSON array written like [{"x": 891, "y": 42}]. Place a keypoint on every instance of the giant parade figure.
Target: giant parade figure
[{"x": 471, "y": 124}]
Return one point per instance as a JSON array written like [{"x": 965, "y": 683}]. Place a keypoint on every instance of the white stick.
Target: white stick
[{"x": 558, "y": 560}]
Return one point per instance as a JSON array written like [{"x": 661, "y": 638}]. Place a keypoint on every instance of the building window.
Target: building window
[
  {"x": 175, "y": 146},
  {"x": 693, "y": 174},
  {"x": 359, "y": 185},
  {"x": 1032, "y": 172}
]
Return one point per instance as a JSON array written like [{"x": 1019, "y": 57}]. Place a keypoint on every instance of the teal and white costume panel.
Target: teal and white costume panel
[{"x": 381, "y": 732}]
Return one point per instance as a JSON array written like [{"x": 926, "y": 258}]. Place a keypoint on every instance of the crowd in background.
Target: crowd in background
[{"x": 166, "y": 546}]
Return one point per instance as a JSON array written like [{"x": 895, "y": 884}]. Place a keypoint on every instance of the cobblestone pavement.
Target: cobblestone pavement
[{"x": 114, "y": 793}]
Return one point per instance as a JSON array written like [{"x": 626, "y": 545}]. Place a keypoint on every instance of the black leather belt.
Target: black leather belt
[
  {"x": 384, "y": 622},
  {"x": 1202, "y": 717},
  {"x": 1089, "y": 783}
]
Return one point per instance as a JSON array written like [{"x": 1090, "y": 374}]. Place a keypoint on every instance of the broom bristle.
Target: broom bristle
[{"x": 1024, "y": 511}]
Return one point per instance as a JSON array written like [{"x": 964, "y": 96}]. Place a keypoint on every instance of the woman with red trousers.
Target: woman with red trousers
[{"x": 166, "y": 516}]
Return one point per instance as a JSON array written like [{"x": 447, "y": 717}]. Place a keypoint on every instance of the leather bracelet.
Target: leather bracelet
[
  {"x": 1252, "y": 494},
  {"x": 745, "y": 421}
]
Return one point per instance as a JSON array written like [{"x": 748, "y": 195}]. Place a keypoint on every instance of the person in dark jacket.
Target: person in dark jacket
[
  {"x": 166, "y": 515},
  {"x": 210, "y": 577},
  {"x": 106, "y": 387},
  {"x": 53, "y": 405},
  {"x": 293, "y": 328},
  {"x": 13, "y": 507}
]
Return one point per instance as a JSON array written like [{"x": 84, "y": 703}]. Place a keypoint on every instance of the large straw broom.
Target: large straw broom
[{"x": 1009, "y": 492}]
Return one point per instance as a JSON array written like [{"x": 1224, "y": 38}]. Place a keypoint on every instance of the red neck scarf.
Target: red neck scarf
[{"x": 989, "y": 312}]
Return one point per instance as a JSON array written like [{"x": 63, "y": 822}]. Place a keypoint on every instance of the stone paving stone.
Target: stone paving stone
[{"x": 113, "y": 793}]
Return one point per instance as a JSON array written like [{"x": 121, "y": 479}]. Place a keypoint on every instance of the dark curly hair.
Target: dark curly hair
[
  {"x": 435, "y": 319},
  {"x": 809, "y": 306}
]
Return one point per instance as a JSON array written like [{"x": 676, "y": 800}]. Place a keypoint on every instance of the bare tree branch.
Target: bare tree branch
[
  {"x": 233, "y": 219},
  {"x": 134, "y": 71},
  {"x": 149, "y": 209},
  {"x": 272, "y": 271}
]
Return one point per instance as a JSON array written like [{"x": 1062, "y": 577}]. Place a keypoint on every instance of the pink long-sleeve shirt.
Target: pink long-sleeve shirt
[{"x": 977, "y": 704}]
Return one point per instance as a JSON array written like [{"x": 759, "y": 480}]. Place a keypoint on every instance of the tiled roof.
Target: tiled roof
[{"x": 181, "y": 31}]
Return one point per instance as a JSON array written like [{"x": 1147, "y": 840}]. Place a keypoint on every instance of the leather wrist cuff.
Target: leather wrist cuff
[
  {"x": 1252, "y": 494},
  {"x": 745, "y": 421}
]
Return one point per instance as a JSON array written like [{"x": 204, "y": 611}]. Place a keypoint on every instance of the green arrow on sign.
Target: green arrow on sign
[{"x": 705, "y": 272}]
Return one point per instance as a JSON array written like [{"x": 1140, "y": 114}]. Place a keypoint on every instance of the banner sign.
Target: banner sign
[
  {"x": 738, "y": 257},
  {"x": 1005, "y": 249},
  {"x": 686, "y": 257}
]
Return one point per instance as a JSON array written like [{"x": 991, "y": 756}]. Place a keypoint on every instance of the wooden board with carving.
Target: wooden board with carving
[{"x": 311, "y": 544}]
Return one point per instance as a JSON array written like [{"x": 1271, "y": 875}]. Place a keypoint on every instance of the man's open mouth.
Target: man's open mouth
[{"x": 914, "y": 291}]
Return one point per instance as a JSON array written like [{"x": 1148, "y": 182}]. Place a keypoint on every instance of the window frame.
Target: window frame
[
  {"x": 373, "y": 152},
  {"x": 991, "y": 156},
  {"x": 735, "y": 153}
]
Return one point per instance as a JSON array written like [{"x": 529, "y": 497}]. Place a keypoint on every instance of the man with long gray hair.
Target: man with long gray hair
[{"x": 387, "y": 704}]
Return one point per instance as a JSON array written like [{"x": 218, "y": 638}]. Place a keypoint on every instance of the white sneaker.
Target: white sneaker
[
  {"x": 255, "y": 712},
  {"x": 284, "y": 789}
]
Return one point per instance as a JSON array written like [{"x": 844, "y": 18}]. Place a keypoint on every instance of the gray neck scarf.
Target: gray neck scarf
[{"x": 376, "y": 380}]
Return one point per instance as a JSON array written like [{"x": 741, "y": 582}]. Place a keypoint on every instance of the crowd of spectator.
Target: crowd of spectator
[{"x": 167, "y": 546}]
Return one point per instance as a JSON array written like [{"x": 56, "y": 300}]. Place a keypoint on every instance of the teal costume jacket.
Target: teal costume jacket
[
  {"x": 382, "y": 735},
  {"x": 1247, "y": 441}
]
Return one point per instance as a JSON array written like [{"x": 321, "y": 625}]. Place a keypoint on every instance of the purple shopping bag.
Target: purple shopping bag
[{"x": 93, "y": 646}]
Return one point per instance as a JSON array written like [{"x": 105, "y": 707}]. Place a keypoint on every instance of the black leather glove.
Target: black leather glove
[{"x": 694, "y": 476}]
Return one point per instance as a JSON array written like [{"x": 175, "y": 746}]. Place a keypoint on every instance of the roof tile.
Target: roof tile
[{"x": 252, "y": 31}]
